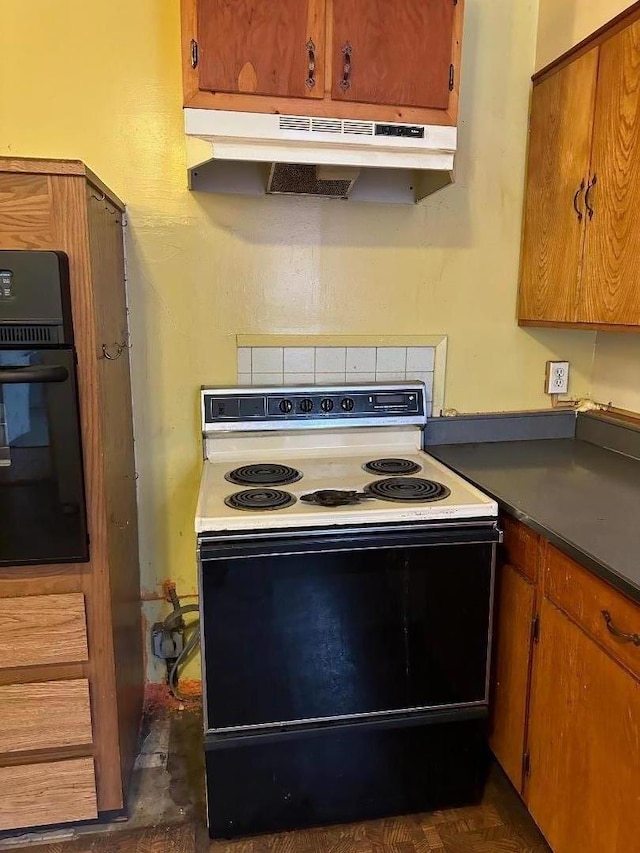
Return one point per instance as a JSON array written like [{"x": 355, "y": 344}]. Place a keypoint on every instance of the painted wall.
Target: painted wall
[
  {"x": 562, "y": 24},
  {"x": 101, "y": 81}
]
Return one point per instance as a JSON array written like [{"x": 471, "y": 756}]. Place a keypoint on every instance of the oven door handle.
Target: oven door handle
[{"x": 47, "y": 373}]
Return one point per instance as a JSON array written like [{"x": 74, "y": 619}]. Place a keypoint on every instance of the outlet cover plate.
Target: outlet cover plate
[{"x": 557, "y": 377}]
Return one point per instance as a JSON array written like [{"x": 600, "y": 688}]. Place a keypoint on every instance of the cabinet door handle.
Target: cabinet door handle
[
  {"x": 579, "y": 192},
  {"x": 311, "y": 67},
  {"x": 347, "y": 51},
  {"x": 587, "y": 196},
  {"x": 627, "y": 638}
]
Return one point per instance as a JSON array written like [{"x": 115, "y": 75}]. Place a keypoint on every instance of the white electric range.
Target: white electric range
[
  {"x": 340, "y": 455},
  {"x": 346, "y": 591}
]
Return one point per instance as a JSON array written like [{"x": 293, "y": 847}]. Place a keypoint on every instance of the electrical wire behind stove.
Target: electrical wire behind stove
[{"x": 171, "y": 632}]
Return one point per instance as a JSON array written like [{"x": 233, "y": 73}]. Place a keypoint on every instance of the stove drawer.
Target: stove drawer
[{"x": 345, "y": 632}]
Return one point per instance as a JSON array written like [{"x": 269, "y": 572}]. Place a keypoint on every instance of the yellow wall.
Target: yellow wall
[
  {"x": 562, "y": 24},
  {"x": 101, "y": 81}
]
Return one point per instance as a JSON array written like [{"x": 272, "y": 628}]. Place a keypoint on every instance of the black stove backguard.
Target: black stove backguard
[{"x": 346, "y": 672}]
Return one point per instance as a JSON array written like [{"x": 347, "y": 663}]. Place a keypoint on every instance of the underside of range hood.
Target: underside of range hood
[{"x": 255, "y": 154}]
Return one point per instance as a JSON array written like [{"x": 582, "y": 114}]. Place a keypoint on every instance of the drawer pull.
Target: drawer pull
[{"x": 627, "y": 638}]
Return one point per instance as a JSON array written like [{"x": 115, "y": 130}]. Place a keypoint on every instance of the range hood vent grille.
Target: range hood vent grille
[
  {"x": 299, "y": 179},
  {"x": 300, "y": 124}
]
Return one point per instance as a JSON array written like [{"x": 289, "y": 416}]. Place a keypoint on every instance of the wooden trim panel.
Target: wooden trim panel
[
  {"x": 43, "y": 629},
  {"x": 604, "y": 33},
  {"x": 45, "y": 715},
  {"x": 41, "y": 794},
  {"x": 67, "y": 168},
  {"x": 521, "y": 547},
  {"x": 598, "y": 327},
  {"x": 583, "y": 597}
]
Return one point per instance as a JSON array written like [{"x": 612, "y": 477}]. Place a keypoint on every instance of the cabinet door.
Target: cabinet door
[
  {"x": 515, "y": 602},
  {"x": 610, "y": 292},
  {"x": 584, "y": 736},
  {"x": 554, "y": 214},
  {"x": 395, "y": 53},
  {"x": 250, "y": 46}
]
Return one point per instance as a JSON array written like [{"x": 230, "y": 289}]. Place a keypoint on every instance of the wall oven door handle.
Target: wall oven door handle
[{"x": 28, "y": 374}]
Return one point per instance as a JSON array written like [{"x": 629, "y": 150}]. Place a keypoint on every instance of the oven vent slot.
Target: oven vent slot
[
  {"x": 359, "y": 128},
  {"x": 29, "y": 335},
  {"x": 326, "y": 125},
  {"x": 294, "y": 123}
]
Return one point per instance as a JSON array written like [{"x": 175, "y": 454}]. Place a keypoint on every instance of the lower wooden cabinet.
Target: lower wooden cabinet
[
  {"x": 584, "y": 741},
  {"x": 566, "y": 698},
  {"x": 515, "y": 601},
  {"x": 51, "y": 792}
]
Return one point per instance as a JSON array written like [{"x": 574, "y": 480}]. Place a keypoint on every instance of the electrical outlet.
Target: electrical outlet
[{"x": 557, "y": 377}]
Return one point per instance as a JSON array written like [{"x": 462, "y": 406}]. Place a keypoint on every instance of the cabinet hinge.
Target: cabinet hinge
[
  {"x": 535, "y": 629},
  {"x": 194, "y": 53},
  {"x": 452, "y": 73},
  {"x": 526, "y": 764}
]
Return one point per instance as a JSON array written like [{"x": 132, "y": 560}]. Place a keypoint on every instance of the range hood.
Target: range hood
[{"x": 256, "y": 154}]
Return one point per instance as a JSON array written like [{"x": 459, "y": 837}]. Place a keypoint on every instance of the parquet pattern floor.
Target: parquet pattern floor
[{"x": 167, "y": 816}]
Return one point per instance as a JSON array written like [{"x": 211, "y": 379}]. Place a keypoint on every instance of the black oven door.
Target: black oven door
[
  {"x": 42, "y": 504},
  {"x": 313, "y": 628}
]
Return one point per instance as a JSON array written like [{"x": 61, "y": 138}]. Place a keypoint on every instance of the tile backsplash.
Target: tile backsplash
[{"x": 325, "y": 365}]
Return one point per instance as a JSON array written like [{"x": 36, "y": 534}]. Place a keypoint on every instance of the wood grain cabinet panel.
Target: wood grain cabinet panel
[
  {"x": 561, "y": 125},
  {"x": 253, "y": 47},
  {"x": 584, "y": 741},
  {"x": 40, "y": 794},
  {"x": 586, "y": 599},
  {"x": 521, "y": 547},
  {"x": 46, "y": 715},
  {"x": 611, "y": 294},
  {"x": 396, "y": 53},
  {"x": 515, "y": 603},
  {"x": 25, "y": 212},
  {"x": 43, "y": 629}
]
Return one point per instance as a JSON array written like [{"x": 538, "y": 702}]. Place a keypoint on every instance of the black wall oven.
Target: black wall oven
[
  {"x": 42, "y": 499},
  {"x": 340, "y": 667}
]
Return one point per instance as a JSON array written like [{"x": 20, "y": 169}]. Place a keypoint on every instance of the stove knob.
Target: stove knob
[
  {"x": 285, "y": 406},
  {"x": 347, "y": 404},
  {"x": 306, "y": 405},
  {"x": 326, "y": 405}
]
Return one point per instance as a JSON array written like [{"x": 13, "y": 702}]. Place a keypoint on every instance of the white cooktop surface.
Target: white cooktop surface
[{"x": 334, "y": 468}]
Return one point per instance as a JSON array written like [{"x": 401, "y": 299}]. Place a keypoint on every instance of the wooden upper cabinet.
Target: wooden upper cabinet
[
  {"x": 611, "y": 293},
  {"x": 398, "y": 53},
  {"x": 558, "y": 171},
  {"x": 372, "y": 60},
  {"x": 255, "y": 47}
]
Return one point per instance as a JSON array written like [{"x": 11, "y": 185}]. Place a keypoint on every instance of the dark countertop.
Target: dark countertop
[{"x": 583, "y": 498}]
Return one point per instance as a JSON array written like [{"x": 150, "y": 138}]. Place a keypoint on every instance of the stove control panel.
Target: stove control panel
[{"x": 288, "y": 408}]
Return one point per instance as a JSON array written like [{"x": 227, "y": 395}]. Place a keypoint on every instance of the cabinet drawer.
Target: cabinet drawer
[
  {"x": 55, "y": 792},
  {"x": 43, "y": 629},
  {"x": 45, "y": 715},
  {"x": 584, "y": 596},
  {"x": 521, "y": 547}
]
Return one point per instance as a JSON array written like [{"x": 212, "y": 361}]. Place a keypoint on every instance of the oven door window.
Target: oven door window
[
  {"x": 303, "y": 637},
  {"x": 42, "y": 507}
]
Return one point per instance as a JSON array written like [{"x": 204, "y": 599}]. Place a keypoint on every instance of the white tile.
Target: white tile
[
  {"x": 331, "y": 359},
  {"x": 299, "y": 379},
  {"x": 427, "y": 378},
  {"x": 420, "y": 358},
  {"x": 244, "y": 379},
  {"x": 391, "y": 360},
  {"x": 388, "y": 376},
  {"x": 244, "y": 359},
  {"x": 299, "y": 359},
  {"x": 266, "y": 379},
  {"x": 361, "y": 359},
  {"x": 360, "y": 377},
  {"x": 266, "y": 359},
  {"x": 329, "y": 378}
]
